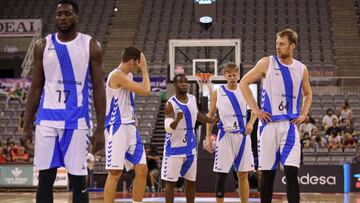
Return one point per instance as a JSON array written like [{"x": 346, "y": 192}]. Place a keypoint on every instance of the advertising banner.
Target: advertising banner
[
  {"x": 314, "y": 178},
  {"x": 16, "y": 175},
  {"x": 157, "y": 83},
  {"x": 19, "y": 27}
]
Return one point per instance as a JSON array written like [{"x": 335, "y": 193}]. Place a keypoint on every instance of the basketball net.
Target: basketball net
[{"x": 204, "y": 81}]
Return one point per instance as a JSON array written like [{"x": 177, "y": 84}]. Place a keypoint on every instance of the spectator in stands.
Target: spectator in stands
[
  {"x": 349, "y": 141},
  {"x": 356, "y": 159},
  {"x": 333, "y": 128},
  {"x": 307, "y": 127},
  {"x": 334, "y": 140},
  {"x": 11, "y": 147},
  {"x": 3, "y": 158},
  {"x": 305, "y": 140},
  {"x": 15, "y": 93},
  {"x": 311, "y": 119},
  {"x": 19, "y": 155},
  {"x": 327, "y": 120},
  {"x": 152, "y": 159},
  {"x": 346, "y": 112},
  {"x": 318, "y": 142},
  {"x": 347, "y": 128}
]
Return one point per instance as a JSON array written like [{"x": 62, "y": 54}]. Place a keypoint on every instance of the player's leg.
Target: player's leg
[
  {"x": 47, "y": 159},
  {"x": 290, "y": 158},
  {"x": 244, "y": 162},
  {"x": 111, "y": 183},
  {"x": 115, "y": 148},
  {"x": 170, "y": 172},
  {"x": 266, "y": 185},
  {"x": 269, "y": 155},
  {"x": 169, "y": 191},
  {"x": 220, "y": 187},
  {"x": 141, "y": 171},
  {"x": 243, "y": 186},
  {"x": 74, "y": 146},
  {"x": 224, "y": 159},
  {"x": 79, "y": 188},
  {"x": 44, "y": 193},
  {"x": 135, "y": 156},
  {"x": 188, "y": 171},
  {"x": 190, "y": 191}
]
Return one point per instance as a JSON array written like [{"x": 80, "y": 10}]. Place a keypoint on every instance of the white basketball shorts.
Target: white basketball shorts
[
  {"x": 61, "y": 148},
  {"x": 233, "y": 149},
  {"x": 278, "y": 142},
  {"x": 174, "y": 167},
  {"x": 123, "y": 147}
]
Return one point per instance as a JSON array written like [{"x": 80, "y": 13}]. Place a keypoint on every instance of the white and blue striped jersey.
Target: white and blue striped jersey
[
  {"x": 120, "y": 105},
  {"x": 232, "y": 110},
  {"x": 182, "y": 142},
  {"x": 281, "y": 89},
  {"x": 65, "y": 99}
]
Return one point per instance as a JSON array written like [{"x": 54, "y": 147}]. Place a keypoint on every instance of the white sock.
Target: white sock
[{"x": 136, "y": 201}]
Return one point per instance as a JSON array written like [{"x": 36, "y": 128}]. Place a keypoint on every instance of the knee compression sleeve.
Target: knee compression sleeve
[
  {"x": 220, "y": 185},
  {"x": 79, "y": 188},
  {"x": 266, "y": 185},
  {"x": 292, "y": 184},
  {"x": 44, "y": 192}
]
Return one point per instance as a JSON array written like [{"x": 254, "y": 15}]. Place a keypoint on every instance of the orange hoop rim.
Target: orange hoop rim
[{"x": 203, "y": 76}]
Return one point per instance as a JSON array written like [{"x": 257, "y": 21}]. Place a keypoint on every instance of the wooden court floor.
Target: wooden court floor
[{"x": 96, "y": 197}]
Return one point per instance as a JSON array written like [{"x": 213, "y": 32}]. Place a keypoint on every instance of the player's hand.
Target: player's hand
[
  {"x": 249, "y": 129},
  {"x": 262, "y": 115},
  {"x": 214, "y": 120},
  {"x": 299, "y": 120},
  {"x": 27, "y": 135},
  {"x": 208, "y": 144},
  {"x": 179, "y": 116},
  {"x": 143, "y": 63},
  {"x": 98, "y": 140}
]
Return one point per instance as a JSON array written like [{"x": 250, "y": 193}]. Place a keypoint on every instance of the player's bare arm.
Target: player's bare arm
[
  {"x": 170, "y": 121},
  {"x": 201, "y": 117},
  {"x": 120, "y": 79},
  {"x": 307, "y": 98},
  {"x": 255, "y": 74},
  {"x": 38, "y": 79},
  {"x": 250, "y": 124},
  {"x": 97, "y": 76},
  {"x": 211, "y": 114}
]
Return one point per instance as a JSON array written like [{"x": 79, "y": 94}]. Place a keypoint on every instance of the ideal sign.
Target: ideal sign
[{"x": 19, "y": 27}]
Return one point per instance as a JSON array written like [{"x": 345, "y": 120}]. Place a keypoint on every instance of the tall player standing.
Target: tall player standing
[
  {"x": 233, "y": 146},
  {"x": 64, "y": 62},
  {"x": 180, "y": 157},
  {"x": 123, "y": 143},
  {"x": 283, "y": 81}
]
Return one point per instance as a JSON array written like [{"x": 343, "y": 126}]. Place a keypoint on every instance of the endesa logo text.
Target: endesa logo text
[{"x": 314, "y": 180}]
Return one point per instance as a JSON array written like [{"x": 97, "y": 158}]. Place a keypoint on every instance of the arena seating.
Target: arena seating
[{"x": 255, "y": 22}]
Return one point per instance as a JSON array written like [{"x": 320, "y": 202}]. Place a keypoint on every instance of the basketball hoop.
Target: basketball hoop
[{"x": 203, "y": 79}]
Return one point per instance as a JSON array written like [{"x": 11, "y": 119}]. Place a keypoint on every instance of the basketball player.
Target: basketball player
[
  {"x": 64, "y": 62},
  {"x": 123, "y": 143},
  {"x": 283, "y": 81},
  {"x": 233, "y": 146},
  {"x": 180, "y": 157}
]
